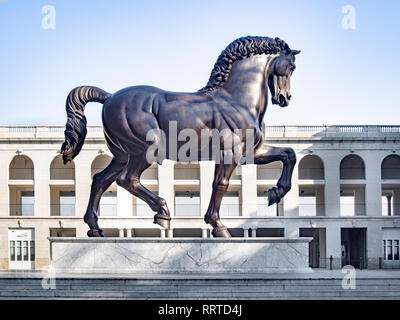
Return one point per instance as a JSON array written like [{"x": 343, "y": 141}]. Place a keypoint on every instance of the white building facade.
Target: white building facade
[{"x": 345, "y": 194}]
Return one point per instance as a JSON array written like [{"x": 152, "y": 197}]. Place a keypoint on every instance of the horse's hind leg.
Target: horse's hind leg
[
  {"x": 222, "y": 175},
  {"x": 129, "y": 179},
  {"x": 101, "y": 182}
]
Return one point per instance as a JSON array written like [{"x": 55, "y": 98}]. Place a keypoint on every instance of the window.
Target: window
[
  {"x": 347, "y": 205},
  {"x": 263, "y": 210},
  {"x": 187, "y": 203},
  {"x": 391, "y": 249},
  {"x": 384, "y": 249},
  {"x": 12, "y": 250},
  {"x": 19, "y": 256},
  {"x": 67, "y": 203},
  {"x": 32, "y": 245},
  {"x": 27, "y": 203},
  {"x": 25, "y": 250},
  {"x": 230, "y": 204},
  {"x": 307, "y": 205},
  {"x": 108, "y": 204}
]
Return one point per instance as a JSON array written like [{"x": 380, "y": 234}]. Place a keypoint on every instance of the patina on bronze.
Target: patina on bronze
[{"x": 235, "y": 97}]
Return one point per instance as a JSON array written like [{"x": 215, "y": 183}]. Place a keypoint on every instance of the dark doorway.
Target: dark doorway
[
  {"x": 354, "y": 247},
  {"x": 317, "y": 247}
]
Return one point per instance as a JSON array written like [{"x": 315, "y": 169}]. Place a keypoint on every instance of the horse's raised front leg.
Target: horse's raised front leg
[
  {"x": 222, "y": 175},
  {"x": 266, "y": 154},
  {"x": 101, "y": 182},
  {"x": 130, "y": 180}
]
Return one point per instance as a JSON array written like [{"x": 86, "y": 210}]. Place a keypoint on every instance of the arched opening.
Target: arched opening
[
  {"x": 352, "y": 167},
  {"x": 352, "y": 196},
  {"x": 311, "y": 167},
  {"x": 100, "y": 163},
  {"x": 22, "y": 196},
  {"x": 62, "y": 188},
  {"x": 59, "y": 171},
  {"x": 311, "y": 197},
  {"x": 390, "y": 167},
  {"x": 390, "y": 170},
  {"x": 21, "y": 168},
  {"x": 108, "y": 202}
]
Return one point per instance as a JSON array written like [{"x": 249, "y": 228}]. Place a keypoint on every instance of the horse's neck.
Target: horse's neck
[{"x": 247, "y": 83}]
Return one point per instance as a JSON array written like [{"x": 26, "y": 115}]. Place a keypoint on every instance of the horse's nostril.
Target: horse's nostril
[{"x": 289, "y": 96}]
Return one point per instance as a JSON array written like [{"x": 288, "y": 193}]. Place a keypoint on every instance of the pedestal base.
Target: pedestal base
[{"x": 179, "y": 255}]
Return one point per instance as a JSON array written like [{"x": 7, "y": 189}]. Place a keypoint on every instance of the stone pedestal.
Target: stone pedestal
[{"x": 179, "y": 255}]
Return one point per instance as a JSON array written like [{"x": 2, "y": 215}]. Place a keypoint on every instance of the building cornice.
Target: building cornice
[{"x": 272, "y": 133}]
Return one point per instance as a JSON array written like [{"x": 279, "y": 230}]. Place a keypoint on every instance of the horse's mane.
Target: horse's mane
[{"x": 237, "y": 50}]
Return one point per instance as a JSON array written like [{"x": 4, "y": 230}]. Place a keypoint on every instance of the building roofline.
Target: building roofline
[{"x": 274, "y": 132}]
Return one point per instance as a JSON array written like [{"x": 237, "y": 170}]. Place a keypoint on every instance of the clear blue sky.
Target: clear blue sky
[{"x": 342, "y": 76}]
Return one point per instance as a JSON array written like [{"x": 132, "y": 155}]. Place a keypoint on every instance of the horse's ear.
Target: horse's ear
[{"x": 294, "y": 52}]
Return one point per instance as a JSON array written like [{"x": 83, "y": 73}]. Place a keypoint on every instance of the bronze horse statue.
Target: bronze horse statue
[{"x": 235, "y": 98}]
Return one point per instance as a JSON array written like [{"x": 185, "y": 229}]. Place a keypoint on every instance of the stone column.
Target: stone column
[
  {"x": 166, "y": 184},
  {"x": 162, "y": 233},
  {"x": 41, "y": 162},
  {"x": 396, "y": 202},
  {"x": 4, "y": 255},
  {"x": 291, "y": 199},
  {"x": 374, "y": 245},
  {"x": 129, "y": 233},
  {"x": 246, "y": 232},
  {"x": 253, "y": 232},
  {"x": 373, "y": 188},
  {"x": 359, "y": 202},
  {"x": 121, "y": 233},
  {"x": 249, "y": 190},
  {"x": 389, "y": 205},
  {"x": 204, "y": 233},
  {"x": 320, "y": 202},
  {"x": 333, "y": 246},
  {"x": 83, "y": 181},
  {"x": 5, "y": 159},
  {"x": 332, "y": 184},
  {"x": 42, "y": 246},
  {"x": 206, "y": 180},
  {"x": 124, "y": 203}
]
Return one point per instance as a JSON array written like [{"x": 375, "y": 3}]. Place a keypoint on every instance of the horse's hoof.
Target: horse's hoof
[
  {"x": 163, "y": 222},
  {"x": 95, "y": 233},
  {"x": 221, "y": 232},
  {"x": 273, "y": 197}
]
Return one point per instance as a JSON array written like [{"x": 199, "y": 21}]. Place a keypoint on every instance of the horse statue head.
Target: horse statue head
[
  {"x": 240, "y": 65},
  {"x": 279, "y": 80}
]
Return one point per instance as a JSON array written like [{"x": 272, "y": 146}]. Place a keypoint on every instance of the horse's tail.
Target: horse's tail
[{"x": 75, "y": 129}]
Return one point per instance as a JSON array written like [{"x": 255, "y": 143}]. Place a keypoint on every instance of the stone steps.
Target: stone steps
[
  {"x": 181, "y": 288},
  {"x": 196, "y": 287},
  {"x": 156, "y": 294}
]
